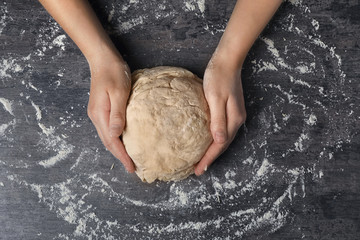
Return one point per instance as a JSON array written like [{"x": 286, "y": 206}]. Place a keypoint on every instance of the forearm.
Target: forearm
[
  {"x": 79, "y": 21},
  {"x": 247, "y": 21}
]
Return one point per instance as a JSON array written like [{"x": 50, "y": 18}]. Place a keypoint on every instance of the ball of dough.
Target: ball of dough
[{"x": 167, "y": 123}]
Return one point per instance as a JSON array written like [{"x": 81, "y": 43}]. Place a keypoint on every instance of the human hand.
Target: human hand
[
  {"x": 224, "y": 94},
  {"x": 109, "y": 93}
]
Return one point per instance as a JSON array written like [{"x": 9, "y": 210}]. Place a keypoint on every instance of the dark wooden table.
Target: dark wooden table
[{"x": 291, "y": 173}]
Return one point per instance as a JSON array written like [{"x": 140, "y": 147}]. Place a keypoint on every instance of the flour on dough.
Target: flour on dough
[{"x": 167, "y": 123}]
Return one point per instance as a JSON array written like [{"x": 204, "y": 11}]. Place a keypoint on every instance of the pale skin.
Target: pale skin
[{"x": 110, "y": 81}]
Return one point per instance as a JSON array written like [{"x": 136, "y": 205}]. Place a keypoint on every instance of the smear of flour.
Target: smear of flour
[
  {"x": 37, "y": 111},
  {"x": 3, "y": 17},
  {"x": 126, "y": 26},
  {"x": 9, "y": 67},
  {"x": 5, "y": 126},
  {"x": 299, "y": 143},
  {"x": 73, "y": 207},
  {"x": 50, "y": 139},
  {"x": 50, "y": 38},
  {"x": 312, "y": 120},
  {"x": 111, "y": 13},
  {"x": 262, "y": 66},
  {"x": 61, "y": 155},
  {"x": 192, "y": 5},
  {"x": 7, "y": 105},
  {"x": 78, "y": 160},
  {"x": 299, "y": 81},
  {"x": 141, "y": 15},
  {"x": 315, "y": 24}
]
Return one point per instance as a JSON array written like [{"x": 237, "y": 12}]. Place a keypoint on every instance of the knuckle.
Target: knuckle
[
  {"x": 117, "y": 116},
  {"x": 117, "y": 120},
  {"x": 217, "y": 128},
  {"x": 219, "y": 123},
  {"x": 93, "y": 112},
  {"x": 90, "y": 112},
  {"x": 240, "y": 119}
]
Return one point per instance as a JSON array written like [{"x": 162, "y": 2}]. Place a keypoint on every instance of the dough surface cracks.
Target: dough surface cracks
[{"x": 167, "y": 123}]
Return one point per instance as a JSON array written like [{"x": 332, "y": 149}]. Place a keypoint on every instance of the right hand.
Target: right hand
[
  {"x": 109, "y": 93},
  {"x": 224, "y": 94}
]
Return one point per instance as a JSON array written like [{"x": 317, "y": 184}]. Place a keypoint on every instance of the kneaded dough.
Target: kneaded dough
[{"x": 167, "y": 123}]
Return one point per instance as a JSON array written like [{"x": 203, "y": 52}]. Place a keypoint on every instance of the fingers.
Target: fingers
[
  {"x": 236, "y": 107},
  {"x": 113, "y": 144},
  {"x": 219, "y": 131},
  {"x": 218, "y": 128},
  {"x": 117, "y": 113},
  {"x": 214, "y": 150},
  {"x": 100, "y": 116},
  {"x": 235, "y": 118},
  {"x": 218, "y": 119}
]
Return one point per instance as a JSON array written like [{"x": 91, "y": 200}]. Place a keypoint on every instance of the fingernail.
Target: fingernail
[
  {"x": 220, "y": 137},
  {"x": 205, "y": 169}
]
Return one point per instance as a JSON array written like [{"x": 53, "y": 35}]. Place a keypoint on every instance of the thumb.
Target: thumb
[
  {"x": 117, "y": 114},
  {"x": 218, "y": 120}
]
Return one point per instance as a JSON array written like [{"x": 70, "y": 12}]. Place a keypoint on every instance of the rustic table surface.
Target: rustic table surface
[{"x": 292, "y": 172}]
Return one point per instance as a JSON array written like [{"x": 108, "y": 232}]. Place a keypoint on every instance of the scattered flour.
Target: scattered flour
[
  {"x": 51, "y": 141},
  {"x": 299, "y": 143},
  {"x": 111, "y": 14},
  {"x": 8, "y": 67},
  {"x": 59, "y": 41},
  {"x": 315, "y": 24},
  {"x": 201, "y": 5},
  {"x": 45, "y": 130},
  {"x": 126, "y": 26},
  {"x": 263, "y": 168},
  {"x": 275, "y": 52},
  {"x": 71, "y": 199},
  {"x": 193, "y": 5},
  {"x": 5, "y": 126},
  {"x": 7, "y": 105},
  {"x": 3, "y": 17},
  {"x": 190, "y": 6},
  {"x": 61, "y": 155},
  {"x": 50, "y": 37},
  {"x": 37, "y": 109},
  {"x": 312, "y": 120},
  {"x": 262, "y": 66}
]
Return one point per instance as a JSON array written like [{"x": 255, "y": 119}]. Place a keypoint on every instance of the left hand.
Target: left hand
[{"x": 224, "y": 94}]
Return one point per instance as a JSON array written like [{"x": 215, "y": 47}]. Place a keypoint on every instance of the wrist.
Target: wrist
[
  {"x": 225, "y": 58},
  {"x": 103, "y": 54},
  {"x": 105, "y": 59},
  {"x": 230, "y": 52}
]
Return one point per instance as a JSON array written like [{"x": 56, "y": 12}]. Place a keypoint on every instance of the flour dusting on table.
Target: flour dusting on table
[{"x": 255, "y": 193}]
